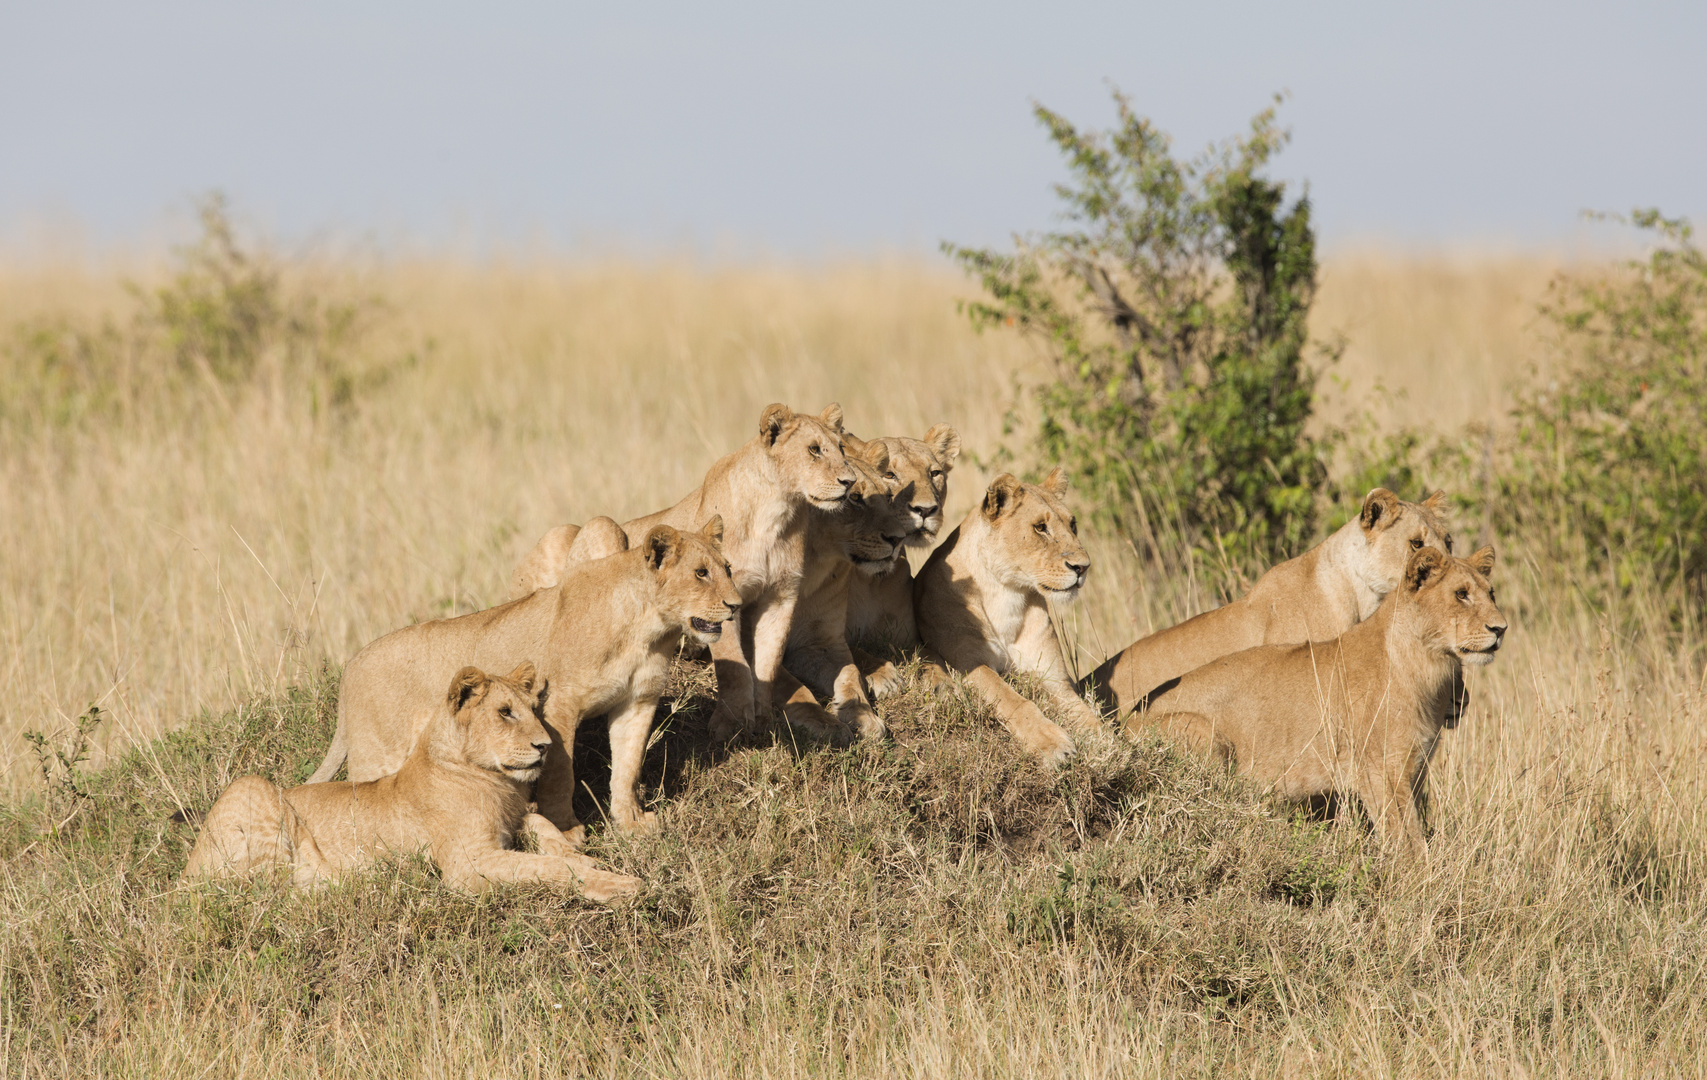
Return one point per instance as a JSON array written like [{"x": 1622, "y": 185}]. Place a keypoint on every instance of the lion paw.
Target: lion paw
[
  {"x": 861, "y": 719},
  {"x": 726, "y": 724},
  {"x": 935, "y": 676},
  {"x": 886, "y": 681},
  {"x": 644, "y": 822}
]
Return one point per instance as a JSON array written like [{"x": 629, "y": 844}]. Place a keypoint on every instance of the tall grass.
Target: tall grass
[{"x": 932, "y": 906}]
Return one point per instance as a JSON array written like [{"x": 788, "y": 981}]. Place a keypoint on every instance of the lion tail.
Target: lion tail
[{"x": 335, "y": 755}]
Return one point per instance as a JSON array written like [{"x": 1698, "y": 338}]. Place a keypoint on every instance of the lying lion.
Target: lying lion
[
  {"x": 1360, "y": 713},
  {"x": 605, "y": 638},
  {"x": 982, "y": 604},
  {"x": 462, "y": 795},
  {"x": 1314, "y": 597}
]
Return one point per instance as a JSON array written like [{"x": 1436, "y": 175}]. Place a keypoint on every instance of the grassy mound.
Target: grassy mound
[{"x": 936, "y": 905}]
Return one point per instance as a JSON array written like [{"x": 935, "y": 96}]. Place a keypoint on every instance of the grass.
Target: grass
[{"x": 935, "y": 905}]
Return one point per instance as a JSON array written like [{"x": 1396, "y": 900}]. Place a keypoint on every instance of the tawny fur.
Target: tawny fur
[
  {"x": 604, "y": 638},
  {"x": 543, "y": 566},
  {"x": 842, "y": 547},
  {"x": 1360, "y": 713},
  {"x": 982, "y": 604},
  {"x": 1314, "y": 597},
  {"x": 762, "y": 492},
  {"x": 461, "y": 795},
  {"x": 880, "y": 607}
]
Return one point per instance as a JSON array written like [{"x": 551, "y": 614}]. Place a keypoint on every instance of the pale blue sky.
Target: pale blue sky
[{"x": 804, "y": 129}]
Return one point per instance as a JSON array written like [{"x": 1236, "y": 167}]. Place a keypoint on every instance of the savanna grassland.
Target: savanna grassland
[{"x": 197, "y": 554}]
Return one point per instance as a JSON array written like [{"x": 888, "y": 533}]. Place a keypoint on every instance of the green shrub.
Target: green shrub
[
  {"x": 225, "y": 324},
  {"x": 1606, "y": 466},
  {"x": 1174, "y": 309}
]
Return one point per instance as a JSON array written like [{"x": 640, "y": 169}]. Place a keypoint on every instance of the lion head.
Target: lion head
[
  {"x": 806, "y": 452},
  {"x": 875, "y": 524},
  {"x": 1035, "y": 537},
  {"x": 1393, "y": 530},
  {"x": 1455, "y": 603},
  {"x": 918, "y": 469},
  {"x": 493, "y": 724},
  {"x": 693, "y": 578}
]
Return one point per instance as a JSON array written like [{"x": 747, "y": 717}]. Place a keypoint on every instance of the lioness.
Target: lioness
[
  {"x": 1314, "y": 597},
  {"x": 881, "y": 606},
  {"x": 982, "y": 603},
  {"x": 762, "y": 491},
  {"x": 462, "y": 794},
  {"x": 1360, "y": 713},
  {"x": 543, "y": 566},
  {"x": 606, "y": 636},
  {"x": 863, "y": 539}
]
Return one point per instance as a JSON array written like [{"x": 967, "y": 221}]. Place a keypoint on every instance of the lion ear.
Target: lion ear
[
  {"x": 524, "y": 676},
  {"x": 876, "y": 455},
  {"x": 1424, "y": 565},
  {"x": 1003, "y": 492},
  {"x": 660, "y": 543},
  {"x": 467, "y": 685},
  {"x": 832, "y": 415},
  {"x": 944, "y": 441},
  {"x": 853, "y": 444},
  {"x": 713, "y": 531},
  {"x": 1380, "y": 507},
  {"x": 1482, "y": 561},
  {"x": 1056, "y": 482},
  {"x": 772, "y": 420},
  {"x": 1438, "y": 502}
]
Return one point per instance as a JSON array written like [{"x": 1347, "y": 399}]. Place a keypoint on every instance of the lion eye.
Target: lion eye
[
  {"x": 936, "y": 474},
  {"x": 815, "y": 450},
  {"x": 1463, "y": 594},
  {"x": 1041, "y": 528},
  {"x": 1449, "y": 543},
  {"x": 1491, "y": 599},
  {"x": 890, "y": 476},
  {"x": 504, "y": 711},
  {"x": 855, "y": 497},
  {"x": 1416, "y": 545},
  {"x": 702, "y": 573},
  {"x": 1073, "y": 526}
]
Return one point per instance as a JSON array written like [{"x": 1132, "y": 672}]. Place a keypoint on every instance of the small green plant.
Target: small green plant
[
  {"x": 61, "y": 764},
  {"x": 1174, "y": 309}
]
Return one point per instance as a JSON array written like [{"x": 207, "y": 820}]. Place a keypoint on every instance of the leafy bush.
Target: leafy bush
[
  {"x": 1607, "y": 463},
  {"x": 1174, "y": 309}
]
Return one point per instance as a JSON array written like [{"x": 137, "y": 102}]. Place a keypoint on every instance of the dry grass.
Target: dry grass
[{"x": 934, "y": 907}]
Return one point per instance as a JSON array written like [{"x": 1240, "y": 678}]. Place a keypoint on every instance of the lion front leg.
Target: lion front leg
[
  {"x": 477, "y": 871},
  {"x": 554, "y": 791},
  {"x": 770, "y": 641},
  {"x": 735, "y": 712},
  {"x": 881, "y": 675},
  {"x": 1038, "y": 734},
  {"x": 629, "y": 730},
  {"x": 1389, "y": 794}
]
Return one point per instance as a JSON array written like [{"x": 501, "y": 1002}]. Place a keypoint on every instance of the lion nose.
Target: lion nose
[
  {"x": 1497, "y": 631},
  {"x": 924, "y": 511},
  {"x": 733, "y": 606},
  {"x": 1078, "y": 564},
  {"x": 542, "y": 746},
  {"x": 846, "y": 480}
]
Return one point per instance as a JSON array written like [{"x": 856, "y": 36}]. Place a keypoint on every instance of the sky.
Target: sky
[{"x": 810, "y": 129}]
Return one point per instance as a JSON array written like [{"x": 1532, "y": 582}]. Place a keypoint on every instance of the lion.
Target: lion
[
  {"x": 982, "y": 604},
  {"x": 860, "y": 541},
  {"x": 762, "y": 491},
  {"x": 1360, "y": 713},
  {"x": 1314, "y": 597},
  {"x": 462, "y": 794},
  {"x": 606, "y": 636},
  {"x": 880, "y": 607}
]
